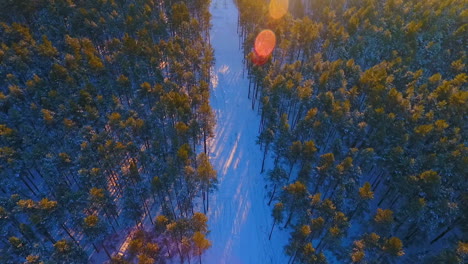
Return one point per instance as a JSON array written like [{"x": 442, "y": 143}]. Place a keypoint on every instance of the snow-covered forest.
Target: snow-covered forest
[
  {"x": 104, "y": 117},
  {"x": 363, "y": 108},
  {"x": 233, "y": 131}
]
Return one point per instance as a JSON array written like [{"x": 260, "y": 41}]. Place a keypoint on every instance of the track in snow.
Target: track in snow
[{"x": 239, "y": 218}]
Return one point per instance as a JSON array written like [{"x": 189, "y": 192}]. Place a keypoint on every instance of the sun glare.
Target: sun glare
[
  {"x": 278, "y": 8},
  {"x": 265, "y": 43}
]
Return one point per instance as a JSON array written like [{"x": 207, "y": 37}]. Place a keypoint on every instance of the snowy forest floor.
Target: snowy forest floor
[{"x": 239, "y": 218}]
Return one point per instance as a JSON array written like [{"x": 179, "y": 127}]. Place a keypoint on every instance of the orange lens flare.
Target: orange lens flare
[
  {"x": 278, "y": 8},
  {"x": 265, "y": 43}
]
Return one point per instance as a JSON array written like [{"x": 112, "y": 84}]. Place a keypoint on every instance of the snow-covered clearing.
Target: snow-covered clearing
[{"x": 239, "y": 218}]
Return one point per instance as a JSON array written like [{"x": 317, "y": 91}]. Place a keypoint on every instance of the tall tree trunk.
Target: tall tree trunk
[
  {"x": 148, "y": 212},
  {"x": 27, "y": 185},
  {"x": 207, "y": 200},
  {"x": 48, "y": 235},
  {"x": 384, "y": 196},
  {"x": 204, "y": 207},
  {"x": 272, "y": 195},
  {"x": 95, "y": 248},
  {"x": 107, "y": 252},
  {"x": 291, "y": 166},
  {"x": 441, "y": 235},
  {"x": 70, "y": 235},
  {"x": 271, "y": 231},
  {"x": 289, "y": 219},
  {"x": 264, "y": 157},
  {"x": 204, "y": 142}
]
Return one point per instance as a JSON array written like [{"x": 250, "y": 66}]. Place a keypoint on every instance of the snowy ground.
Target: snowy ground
[{"x": 239, "y": 218}]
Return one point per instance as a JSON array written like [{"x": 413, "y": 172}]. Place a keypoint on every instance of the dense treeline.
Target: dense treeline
[
  {"x": 104, "y": 106},
  {"x": 363, "y": 108}
]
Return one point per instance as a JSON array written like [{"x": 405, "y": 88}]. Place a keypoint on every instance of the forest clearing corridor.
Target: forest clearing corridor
[{"x": 239, "y": 217}]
